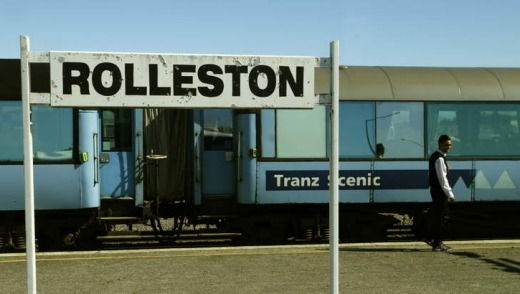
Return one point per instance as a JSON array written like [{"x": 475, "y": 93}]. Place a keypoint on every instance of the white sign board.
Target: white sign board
[{"x": 87, "y": 79}]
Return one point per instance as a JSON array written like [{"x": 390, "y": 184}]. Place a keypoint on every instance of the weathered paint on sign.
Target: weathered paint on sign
[{"x": 81, "y": 79}]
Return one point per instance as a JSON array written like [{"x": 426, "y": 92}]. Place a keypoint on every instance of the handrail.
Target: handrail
[
  {"x": 197, "y": 158},
  {"x": 96, "y": 157},
  {"x": 140, "y": 158},
  {"x": 238, "y": 156}
]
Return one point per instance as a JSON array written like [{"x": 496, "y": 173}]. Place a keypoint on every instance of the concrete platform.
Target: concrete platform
[{"x": 472, "y": 267}]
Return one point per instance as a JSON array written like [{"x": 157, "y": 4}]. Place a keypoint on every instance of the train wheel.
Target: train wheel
[
  {"x": 86, "y": 237},
  {"x": 50, "y": 240}
]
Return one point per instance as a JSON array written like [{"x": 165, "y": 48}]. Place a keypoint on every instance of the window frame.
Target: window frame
[{"x": 73, "y": 159}]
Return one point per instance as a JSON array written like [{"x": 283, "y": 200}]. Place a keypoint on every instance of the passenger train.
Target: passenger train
[{"x": 263, "y": 173}]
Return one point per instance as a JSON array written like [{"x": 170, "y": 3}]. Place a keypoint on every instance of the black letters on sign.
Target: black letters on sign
[
  {"x": 78, "y": 80},
  {"x": 179, "y": 79},
  {"x": 97, "y": 80},
  {"x": 287, "y": 78},
  {"x": 269, "y": 75},
  {"x": 235, "y": 71},
  {"x": 129, "y": 82},
  {"x": 154, "y": 81},
  {"x": 217, "y": 83},
  {"x": 208, "y": 79}
]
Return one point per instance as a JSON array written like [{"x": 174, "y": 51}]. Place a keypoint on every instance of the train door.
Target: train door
[
  {"x": 217, "y": 156},
  {"x": 120, "y": 143}
]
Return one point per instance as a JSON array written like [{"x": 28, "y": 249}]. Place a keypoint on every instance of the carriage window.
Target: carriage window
[
  {"x": 268, "y": 133},
  {"x": 117, "y": 129},
  {"x": 400, "y": 129},
  {"x": 218, "y": 129},
  {"x": 52, "y": 131},
  {"x": 478, "y": 129},
  {"x": 11, "y": 133},
  {"x": 301, "y": 133},
  {"x": 357, "y": 136}
]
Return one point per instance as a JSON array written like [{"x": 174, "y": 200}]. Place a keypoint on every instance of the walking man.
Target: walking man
[{"x": 440, "y": 191}]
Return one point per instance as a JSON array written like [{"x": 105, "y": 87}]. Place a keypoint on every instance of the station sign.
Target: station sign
[{"x": 90, "y": 79}]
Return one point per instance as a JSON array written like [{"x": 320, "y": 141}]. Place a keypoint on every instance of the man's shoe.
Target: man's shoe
[
  {"x": 441, "y": 247},
  {"x": 428, "y": 241}
]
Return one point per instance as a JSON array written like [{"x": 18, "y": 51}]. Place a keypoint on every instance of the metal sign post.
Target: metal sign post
[
  {"x": 28, "y": 166},
  {"x": 334, "y": 170}
]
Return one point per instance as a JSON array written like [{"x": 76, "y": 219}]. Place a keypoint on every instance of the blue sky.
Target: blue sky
[{"x": 481, "y": 33}]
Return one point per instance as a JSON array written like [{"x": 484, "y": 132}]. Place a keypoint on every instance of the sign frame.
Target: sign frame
[{"x": 100, "y": 79}]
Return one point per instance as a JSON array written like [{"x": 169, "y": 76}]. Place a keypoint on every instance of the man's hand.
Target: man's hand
[{"x": 452, "y": 199}]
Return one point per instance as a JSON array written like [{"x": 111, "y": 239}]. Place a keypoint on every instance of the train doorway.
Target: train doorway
[
  {"x": 168, "y": 159},
  {"x": 117, "y": 154},
  {"x": 218, "y": 160}
]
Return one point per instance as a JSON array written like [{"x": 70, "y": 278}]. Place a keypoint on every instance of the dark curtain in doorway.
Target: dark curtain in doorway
[{"x": 169, "y": 132}]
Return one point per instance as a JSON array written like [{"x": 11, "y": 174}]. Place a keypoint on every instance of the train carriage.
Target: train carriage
[
  {"x": 264, "y": 173},
  {"x": 67, "y": 195}
]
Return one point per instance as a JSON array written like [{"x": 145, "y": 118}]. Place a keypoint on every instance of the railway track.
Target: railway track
[{"x": 126, "y": 232}]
